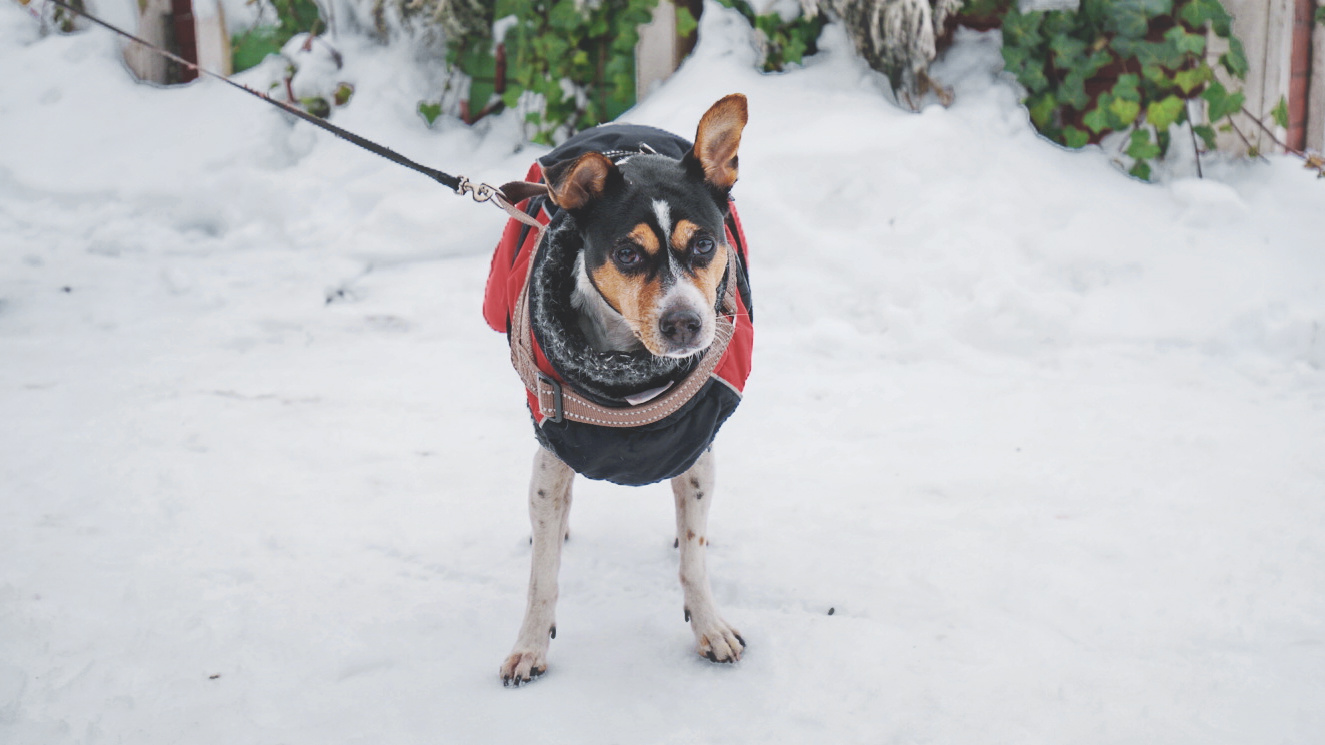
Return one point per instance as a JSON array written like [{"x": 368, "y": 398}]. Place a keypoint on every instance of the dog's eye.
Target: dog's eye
[
  {"x": 703, "y": 246},
  {"x": 626, "y": 255}
]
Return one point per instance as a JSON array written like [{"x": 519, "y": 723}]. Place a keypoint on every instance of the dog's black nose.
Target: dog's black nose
[{"x": 680, "y": 327}]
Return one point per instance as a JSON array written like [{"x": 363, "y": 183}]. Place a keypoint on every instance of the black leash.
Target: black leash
[{"x": 460, "y": 184}]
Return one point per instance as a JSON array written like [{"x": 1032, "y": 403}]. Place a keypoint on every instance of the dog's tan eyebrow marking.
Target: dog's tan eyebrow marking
[
  {"x": 644, "y": 236},
  {"x": 685, "y": 230}
]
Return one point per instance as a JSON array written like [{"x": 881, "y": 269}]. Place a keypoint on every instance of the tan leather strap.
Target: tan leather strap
[
  {"x": 557, "y": 401},
  {"x": 507, "y": 203}
]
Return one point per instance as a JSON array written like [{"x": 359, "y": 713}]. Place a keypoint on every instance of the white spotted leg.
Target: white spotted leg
[
  {"x": 714, "y": 637},
  {"x": 549, "y": 513}
]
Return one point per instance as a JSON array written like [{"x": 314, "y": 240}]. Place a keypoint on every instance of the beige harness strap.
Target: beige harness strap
[{"x": 557, "y": 402}]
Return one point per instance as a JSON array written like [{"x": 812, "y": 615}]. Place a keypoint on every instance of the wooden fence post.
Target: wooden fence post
[
  {"x": 1315, "y": 115},
  {"x": 154, "y": 27},
  {"x": 1266, "y": 30},
  {"x": 193, "y": 29},
  {"x": 661, "y": 49},
  {"x": 214, "y": 54}
]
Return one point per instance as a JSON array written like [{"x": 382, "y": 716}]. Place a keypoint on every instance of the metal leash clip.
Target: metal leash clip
[
  {"x": 480, "y": 193},
  {"x": 490, "y": 193}
]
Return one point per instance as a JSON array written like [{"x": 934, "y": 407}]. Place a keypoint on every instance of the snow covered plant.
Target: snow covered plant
[
  {"x": 277, "y": 22},
  {"x": 312, "y": 75},
  {"x": 896, "y": 37},
  {"x": 63, "y": 21},
  {"x": 310, "y": 67},
  {"x": 568, "y": 64},
  {"x": 1131, "y": 67},
  {"x": 454, "y": 18},
  {"x": 899, "y": 38},
  {"x": 785, "y": 33}
]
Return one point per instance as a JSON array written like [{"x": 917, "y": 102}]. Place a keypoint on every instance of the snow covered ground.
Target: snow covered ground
[{"x": 1048, "y": 442}]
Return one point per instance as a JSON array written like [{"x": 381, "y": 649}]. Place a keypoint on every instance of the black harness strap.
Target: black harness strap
[{"x": 456, "y": 183}]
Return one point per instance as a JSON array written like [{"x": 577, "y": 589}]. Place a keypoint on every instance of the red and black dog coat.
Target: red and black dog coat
[{"x": 631, "y": 455}]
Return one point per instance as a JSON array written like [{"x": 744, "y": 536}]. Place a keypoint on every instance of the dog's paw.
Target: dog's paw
[
  {"x": 719, "y": 642},
  {"x": 523, "y": 666}
]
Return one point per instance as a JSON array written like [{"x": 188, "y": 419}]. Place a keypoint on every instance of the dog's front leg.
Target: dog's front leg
[
  {"x": 714, "y": 638},
  {"x": 549, "y": 512}
]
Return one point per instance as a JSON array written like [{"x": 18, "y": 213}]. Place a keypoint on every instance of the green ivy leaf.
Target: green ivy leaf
[
  {"x": 1125, "y": 110},
  {"x": 1126, "y": 88},
  {"x": 317, "y": 106},
  {"x": 1235, "y": 59},
  {"x": 1058, "y": 23},
  {"x": 685, "y": 22},
  {"x": 1141, "y": 146},
  {"x": 1141, "y": 170},
  {"x": 1184, "y": 42},
  {"x": 1207, "y": 135},
  {"x": 1190, "y": 80},
  {"x": 1042, "y": 110},
  {"x": 343, "y": 93},
  {"x": 1097, "y": 118},
  {"x": 1149, "y": 52},
  {"x": 1280, "y": 113},
  {"x": 251, "y": 47},
  {"x": 1034, "y": 79},
  {"x": 1015, "y": 58},
  {"x": 1067, "y": 49},
  {"x": 793, "y": 51},
  {"x": 1165, "y": 113},
  {"x": 1075, "y": 138},
  {"x": 430, "y": 110},
  {"x": 1132, "y": 17},
  {"x": 1072, "y": 91},
  {"x": 1098, "y": 59},
  {"x": 1022, "y": 29},
  {"x": 1221, "y": 102},
  {"x": 564, "y": 16},
  {"x": 1197, "y": 12}
]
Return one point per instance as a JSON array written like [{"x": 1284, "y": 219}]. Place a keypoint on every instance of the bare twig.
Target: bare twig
[
  {"x": 1272, "y": 135},
  {"x": 1191, "y": 128},
  {"x": 1310, "y": 160},
  {"x": 1195, "y": 150},
  {"x": 1250, "y": 147}
]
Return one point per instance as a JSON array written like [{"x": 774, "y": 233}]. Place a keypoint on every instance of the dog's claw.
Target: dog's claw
[
  {"x": 521, "y": 668},
  {"x": 516, "y": 681},
  {"x": 721, "y": 643}
]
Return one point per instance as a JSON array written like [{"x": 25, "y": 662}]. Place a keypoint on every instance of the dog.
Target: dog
[{"x": 628, "y": 314}]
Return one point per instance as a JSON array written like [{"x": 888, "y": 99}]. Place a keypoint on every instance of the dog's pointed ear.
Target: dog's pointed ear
[
  {"x": 575, "y": 184},
  {"x": 716, "y": 141}
]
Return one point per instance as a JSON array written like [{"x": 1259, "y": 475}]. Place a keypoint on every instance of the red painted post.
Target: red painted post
[
  {"x": 1299, "y": 81},
  {"x": 186, "y": 36}
]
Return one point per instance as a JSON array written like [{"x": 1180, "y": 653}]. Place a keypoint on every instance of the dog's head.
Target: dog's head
[{"x": 654, "y": 243}]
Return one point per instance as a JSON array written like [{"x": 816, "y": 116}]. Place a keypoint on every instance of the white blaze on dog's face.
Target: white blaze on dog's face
[{"x": 654, "y": 240}]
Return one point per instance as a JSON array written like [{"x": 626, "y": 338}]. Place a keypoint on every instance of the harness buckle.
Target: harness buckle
[{"x": 559, "y": 406}]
